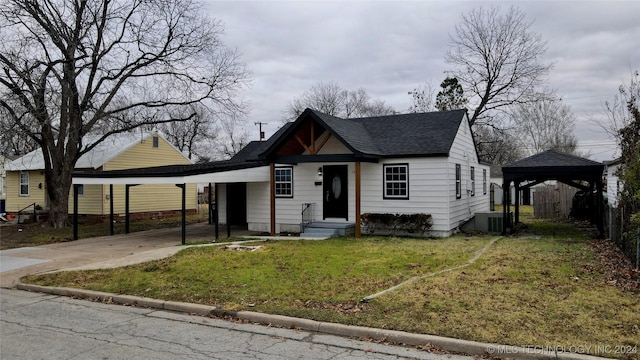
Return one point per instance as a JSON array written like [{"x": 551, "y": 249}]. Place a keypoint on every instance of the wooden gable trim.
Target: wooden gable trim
[
  {"x": 308, "y": 139},
  {"x": 312, "y": 148},
  {"x": 323, "y": 141}
]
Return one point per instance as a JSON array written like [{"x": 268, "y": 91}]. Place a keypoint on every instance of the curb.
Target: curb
[{"x": 400, "y": 337}]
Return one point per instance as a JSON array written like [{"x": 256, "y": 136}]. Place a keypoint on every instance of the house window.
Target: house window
[
  {"x": 155, "y": 141},
  {"x": 458, "y": 182},
  {"x": 396, "y": 181},
  {"x": 473, "y": 181},
  {"x": 24, "y": 184},
  {"x": 284, "y": 181},
  {"x": 484, "y": 181},
  {"x": 80, "y": 190}
]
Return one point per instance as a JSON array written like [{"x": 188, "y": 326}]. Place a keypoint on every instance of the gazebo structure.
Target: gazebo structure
[{"x": 552, "y": 165}]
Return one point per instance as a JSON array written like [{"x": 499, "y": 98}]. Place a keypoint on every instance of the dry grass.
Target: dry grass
[{"x": 548, "y": 289}]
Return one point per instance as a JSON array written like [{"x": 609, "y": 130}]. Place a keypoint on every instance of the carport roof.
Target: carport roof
[{"x": 553, "y": 165}]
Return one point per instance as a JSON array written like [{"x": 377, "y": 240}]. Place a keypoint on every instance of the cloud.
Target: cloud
[{"x": 389, "y": 48}]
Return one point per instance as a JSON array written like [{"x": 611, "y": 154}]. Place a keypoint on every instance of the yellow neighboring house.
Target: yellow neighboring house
[{"x": 25, "y": 183}]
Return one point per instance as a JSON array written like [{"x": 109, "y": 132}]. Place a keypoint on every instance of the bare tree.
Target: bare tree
[
  {"x": 617, "y": 110},
  {"x": 545, "y": 124},
  {"x": 71, "y": 66},
  {"x": 331, "y": 99},
  {"x": 233, "y": 136},
  {"x": 13, "y": 140},
  {"x": 497, "y": 146},
  {"x": 422, "y": 98},
  {"x": 194, "y": 136},
  {"x": 497, "y": 59},
  {"x": 376, "y": 108}
]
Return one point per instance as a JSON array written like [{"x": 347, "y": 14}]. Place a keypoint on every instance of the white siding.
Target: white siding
[
  {"x": 258, "y": 204},
  {"x": 463, "y": 152},
  {"x": 427, "y": 190},
  {"x": 333, "y": 146},
  {"x": 221, "y": 203},
  {"x": 612, "y": 185}
]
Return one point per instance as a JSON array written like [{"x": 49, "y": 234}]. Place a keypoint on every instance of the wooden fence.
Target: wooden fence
[{"x": 553, "y": 201}]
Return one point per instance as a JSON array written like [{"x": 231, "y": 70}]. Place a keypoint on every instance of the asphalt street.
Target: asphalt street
[{"x": 40, "y": 326}]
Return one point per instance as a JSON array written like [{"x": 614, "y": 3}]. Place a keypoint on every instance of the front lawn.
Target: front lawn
[{"x": 548, "y": 290}]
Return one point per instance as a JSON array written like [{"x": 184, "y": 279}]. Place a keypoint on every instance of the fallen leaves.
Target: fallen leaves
[{"x": 619, "y": 270}]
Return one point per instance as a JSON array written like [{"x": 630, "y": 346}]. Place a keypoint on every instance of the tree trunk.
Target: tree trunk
[{"x": 58, "y": 186}]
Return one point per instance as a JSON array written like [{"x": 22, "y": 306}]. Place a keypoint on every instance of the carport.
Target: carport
[
  {"x": 551, "y": 165},
  {"x": 220, "y": 172}
]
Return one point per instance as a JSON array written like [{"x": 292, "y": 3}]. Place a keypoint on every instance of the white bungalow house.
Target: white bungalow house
[
  {"x": 327, "y": 171},
  {"x": 335, "y": 169}
]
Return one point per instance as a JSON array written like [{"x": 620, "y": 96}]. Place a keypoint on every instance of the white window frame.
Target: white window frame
[
  {"x": 399, "y": 181},
  {"x": 155, "y": 141},
  {"x": 458, "y": 181},
  {"x": 80, "y": 190},
  {"x": 484, "y": 181},
  {"x": 23, "y": 183},
  {"x": 281, "y": 179},
  {"x": 472, "y": 175}
]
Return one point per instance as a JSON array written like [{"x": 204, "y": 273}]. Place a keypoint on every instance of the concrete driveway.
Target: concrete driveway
[{"x": 98, "y": 252}]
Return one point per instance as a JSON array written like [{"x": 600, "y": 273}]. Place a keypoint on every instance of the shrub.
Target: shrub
[{"x": 396, "y": 224}]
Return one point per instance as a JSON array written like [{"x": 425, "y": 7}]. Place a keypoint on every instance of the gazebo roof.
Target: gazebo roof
[{"x": 553, "y": 165}]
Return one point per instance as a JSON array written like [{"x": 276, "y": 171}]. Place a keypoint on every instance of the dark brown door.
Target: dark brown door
[{"x": 334, "y": 192}]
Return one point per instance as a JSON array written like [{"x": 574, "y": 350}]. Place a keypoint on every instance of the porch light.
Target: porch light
[{"x": 320, "y": 171}]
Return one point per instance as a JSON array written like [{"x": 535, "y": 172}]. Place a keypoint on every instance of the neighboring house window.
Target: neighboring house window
[
  {"x": 24, "y": 184},
  {"x": 484, "y": 181},
  {"x": 80, "y": 190},
  {"x": 473, "y": 181},
  {"x": 396, "y": 181},
  {"x": 284, "y": 181},
  {"x": 155, "y": 141},
  {"x": 458, "y": 182}
]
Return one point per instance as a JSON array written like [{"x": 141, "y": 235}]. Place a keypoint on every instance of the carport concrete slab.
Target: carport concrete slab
[
  {"x": 100, "y": 252},
  {"x": 8, "y": 263}
]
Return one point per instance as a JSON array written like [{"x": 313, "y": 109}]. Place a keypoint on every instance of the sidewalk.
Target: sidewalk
[
  {"x": 99, "y": 252},
  {"x": 121, "y": 250}
]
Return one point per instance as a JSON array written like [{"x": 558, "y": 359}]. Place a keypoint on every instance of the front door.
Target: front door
[{"x": 334, "y": 192}]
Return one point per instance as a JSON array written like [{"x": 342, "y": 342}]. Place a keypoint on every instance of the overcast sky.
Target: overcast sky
[{"x": 391, "y": 47}]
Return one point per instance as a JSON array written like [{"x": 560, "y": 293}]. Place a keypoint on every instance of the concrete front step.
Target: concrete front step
[{"x": 328, "y": 229}]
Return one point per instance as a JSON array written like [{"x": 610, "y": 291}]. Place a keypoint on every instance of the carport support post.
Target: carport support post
[
  {"x": 358, "y": 196},
  {"x": 599, "y": 209},
  {"x": 516, "y": 204},
  {"x": 126, "y": 209},
  {"x": 184, "y": 212},
  {"x": 209, "y": 204},
  {"x": 505, "y": 201},
  {"x": 111, "y": 209},
  {"x": 228, "y": 209},
  {"x": 75, "y": 211},
  {"x": 216, "y": 216},
  {"x": 272, "y": 196}
]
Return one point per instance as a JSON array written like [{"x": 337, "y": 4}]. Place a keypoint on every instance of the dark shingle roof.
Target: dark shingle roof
[
  {"x": 552, "y": 158},
  {"x": 420, "y": 134},
  {"x": 414, "y": 134},
  {"x": 553, "y": 164}
]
